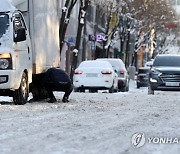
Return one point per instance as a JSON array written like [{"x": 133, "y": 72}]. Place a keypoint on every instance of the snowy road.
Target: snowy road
[{"x": 92, "y": 123}]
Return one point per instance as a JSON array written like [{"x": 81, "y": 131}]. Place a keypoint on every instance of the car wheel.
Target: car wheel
[
  {"x": 20, "y": 95},
  {"x": 123, "y": 89},
  {"x": 93, "y": 90},
  {"x": 39, "y": 93},
  {"x": 76, "y": 89},
  {"x": 82, "y": 90},
  {"x": 111, "y": 90},
  {"x": 150, "y": 90},
  {"x": 116, "y": 90},
  {"x": 127, "y": 88},
  {"x": 138, "y": 85}
]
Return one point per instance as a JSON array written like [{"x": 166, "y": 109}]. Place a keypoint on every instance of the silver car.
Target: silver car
[{"x": 123, "y": 76}]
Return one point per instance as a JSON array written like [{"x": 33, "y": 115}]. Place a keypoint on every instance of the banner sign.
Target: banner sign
[{"x": 98, "y": 37}]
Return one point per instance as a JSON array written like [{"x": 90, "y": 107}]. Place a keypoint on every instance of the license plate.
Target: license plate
[
  {"x": 91, "y": 75},
  {"x": 173, "y": 84}
]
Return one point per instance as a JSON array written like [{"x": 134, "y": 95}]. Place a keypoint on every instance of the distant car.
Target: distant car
[
  {"x": 119, "y": 67},
  {"x": 142, "y": 77},
  {"x": 95, "y": 75},
  {"x": 165, "y": 73}
]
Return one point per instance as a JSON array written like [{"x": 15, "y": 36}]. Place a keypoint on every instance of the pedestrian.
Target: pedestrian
[{"x": 56, "y": 79}]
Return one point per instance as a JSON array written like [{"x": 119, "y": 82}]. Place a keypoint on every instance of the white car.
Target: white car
[{"x": 95, "y": 75}]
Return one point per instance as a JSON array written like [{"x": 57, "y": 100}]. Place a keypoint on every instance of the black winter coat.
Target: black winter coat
[{"x": 55, "y": 75}]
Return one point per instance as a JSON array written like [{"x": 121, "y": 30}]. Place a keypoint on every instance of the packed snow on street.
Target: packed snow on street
[{"x": 93, "y": 123}]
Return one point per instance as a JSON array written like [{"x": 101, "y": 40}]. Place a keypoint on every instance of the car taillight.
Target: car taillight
[
  {"x": 121, "y": 72},
  {"x": 106, "y": 72},
  {"x": 78, "y": 72}
]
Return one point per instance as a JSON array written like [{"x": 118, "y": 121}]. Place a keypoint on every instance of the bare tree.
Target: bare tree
[
  {"x": 150, "y": 12},
  {"x": 146, "y": 14},
  {"x": 81, "y": 21},
  {"x": 64, "y": 21},
  {"x": 110, "y": 13},
  {"x": 149, "y": 16}
]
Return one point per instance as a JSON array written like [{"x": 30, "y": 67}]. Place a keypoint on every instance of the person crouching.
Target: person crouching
[{"x": 56, "y": 79}]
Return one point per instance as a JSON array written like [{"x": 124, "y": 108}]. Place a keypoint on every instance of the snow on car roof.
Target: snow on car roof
[
  {"x": 94, "y": 63},
  {"x": 115, "y": 62},
  {"x": 111, "y": 59}
]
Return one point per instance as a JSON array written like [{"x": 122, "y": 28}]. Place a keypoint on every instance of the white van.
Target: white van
[{"x": 29, "y": 44}]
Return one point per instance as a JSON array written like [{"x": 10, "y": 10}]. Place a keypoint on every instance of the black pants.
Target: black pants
[{"x": 60, "y": 86}]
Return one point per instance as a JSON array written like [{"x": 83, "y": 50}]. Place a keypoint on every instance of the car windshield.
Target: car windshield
[
  {"x": 4, "y": 24},
  {"x": 169, "y": 61}
]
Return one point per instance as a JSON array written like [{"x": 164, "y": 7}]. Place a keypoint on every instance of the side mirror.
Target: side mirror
[{"x": 21, "y": 35}]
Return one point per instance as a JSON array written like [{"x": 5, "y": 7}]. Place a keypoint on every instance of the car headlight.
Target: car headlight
[
  {"x": 5, "y": 61},
  {"x": 153, "y": 80},
  {"x": 4, "y": 64}
]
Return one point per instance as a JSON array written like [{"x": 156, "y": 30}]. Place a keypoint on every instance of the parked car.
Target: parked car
[
  {"x": 142, "y": 77},
  {"x": 95, "y": 75},
  {"x": 119, "y": 67},
  {"x": 165, "y": 73}
]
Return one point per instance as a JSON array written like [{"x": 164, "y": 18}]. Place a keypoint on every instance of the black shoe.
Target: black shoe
[
  {"x": 52, "y": 100},
  {"x": 65, "y": 100}
]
